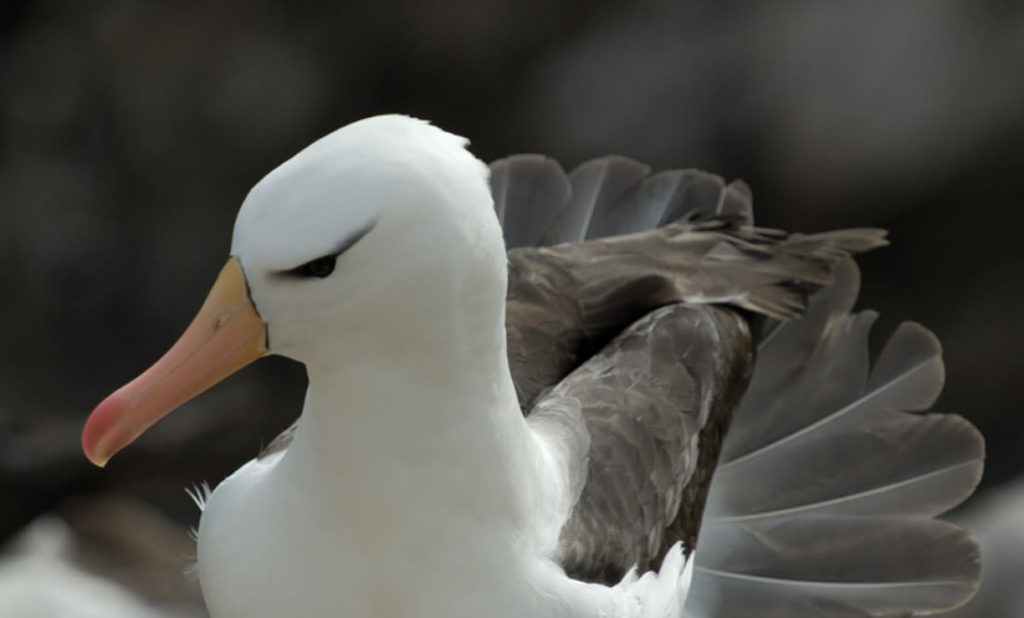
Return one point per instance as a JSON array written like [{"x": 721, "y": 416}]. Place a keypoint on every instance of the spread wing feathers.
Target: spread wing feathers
[
  {"x": 826, "y": 485},
  {"x": 538, "y": 204},
  {"x": 637, "y": 421},
  {"x": 529, "y": 191}
]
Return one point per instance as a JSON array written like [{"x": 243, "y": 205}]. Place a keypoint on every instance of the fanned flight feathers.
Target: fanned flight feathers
[{"x": 822, "y": 499}]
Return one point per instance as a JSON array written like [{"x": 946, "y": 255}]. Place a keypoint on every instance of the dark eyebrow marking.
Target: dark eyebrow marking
[
  {"x": 347, "y": 242},
  {"x": 344, "y": 245}
]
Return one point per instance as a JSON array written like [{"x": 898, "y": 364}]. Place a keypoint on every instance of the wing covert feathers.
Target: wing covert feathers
[
  {"x": 568, "y": 300},
  {"x": 822, "y": 501},
  {"x": 635, "y": 412}
]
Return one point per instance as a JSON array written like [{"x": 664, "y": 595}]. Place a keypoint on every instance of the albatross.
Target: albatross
[{"x": 605, "y": 393}]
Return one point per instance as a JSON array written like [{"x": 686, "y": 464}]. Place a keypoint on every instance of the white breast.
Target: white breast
[{"x": 263, "y": 553}]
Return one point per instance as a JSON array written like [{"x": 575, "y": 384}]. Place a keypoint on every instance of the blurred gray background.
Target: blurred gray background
[{"x": 132, "y": 131}]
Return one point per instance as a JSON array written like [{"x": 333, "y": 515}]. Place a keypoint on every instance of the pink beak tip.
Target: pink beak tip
[{"x": 96, "y": 434}]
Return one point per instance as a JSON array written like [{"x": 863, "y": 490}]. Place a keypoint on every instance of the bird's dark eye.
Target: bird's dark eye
[
  {"x": 320, "y": 267},
  {"x": 324, "y": 266}
]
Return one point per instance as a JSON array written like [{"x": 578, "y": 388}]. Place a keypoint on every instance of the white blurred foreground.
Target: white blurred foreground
[
  {"x": 41, "y": 572},
  {"x": 54, "y": 570}
]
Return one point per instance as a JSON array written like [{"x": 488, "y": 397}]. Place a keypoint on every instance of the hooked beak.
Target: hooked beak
[{"x": 226, "y": 335}]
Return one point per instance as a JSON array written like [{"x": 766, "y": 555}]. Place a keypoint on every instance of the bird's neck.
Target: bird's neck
[{"x": 424, "y": 421}]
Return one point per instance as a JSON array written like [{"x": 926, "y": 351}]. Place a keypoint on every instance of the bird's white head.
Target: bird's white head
[
  {"x": 370, "y": 233},
  {"x": 370, "y": 226}
]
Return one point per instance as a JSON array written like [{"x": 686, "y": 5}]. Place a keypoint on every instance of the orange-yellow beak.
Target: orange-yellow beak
[{"x": 226, "y": 335}]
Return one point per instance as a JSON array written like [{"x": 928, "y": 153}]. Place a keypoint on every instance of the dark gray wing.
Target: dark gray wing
[
  {"x": 642, "y": 385},
  {"x": 824, "y": 500},
  {"x": 566, "y": 301},
  {"x": 646, "y": 414}
]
